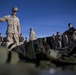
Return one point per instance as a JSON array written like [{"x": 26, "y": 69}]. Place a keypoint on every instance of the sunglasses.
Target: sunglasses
[{"x": 14, "y": 11}]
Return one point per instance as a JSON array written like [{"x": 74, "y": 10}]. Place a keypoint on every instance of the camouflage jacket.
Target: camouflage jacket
[
  {"x": 13, "y": 24},
  {"x": 32, "y": 35}
]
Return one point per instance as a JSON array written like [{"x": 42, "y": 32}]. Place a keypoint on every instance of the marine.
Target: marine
[
  {"x": 13, "y": 27},
  {"x": 32, "y": 35}
]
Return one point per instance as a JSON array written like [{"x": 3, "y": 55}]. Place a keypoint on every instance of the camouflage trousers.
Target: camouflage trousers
[{"x": 12, "y": 38}]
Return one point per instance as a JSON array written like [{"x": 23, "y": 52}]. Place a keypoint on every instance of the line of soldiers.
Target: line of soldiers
[
  {"x": 68, "y": 38},
  {"x": 13, "y": 32}
]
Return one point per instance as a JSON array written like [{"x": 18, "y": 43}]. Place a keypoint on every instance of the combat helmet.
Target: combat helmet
[{"x": 15, "y": 9}]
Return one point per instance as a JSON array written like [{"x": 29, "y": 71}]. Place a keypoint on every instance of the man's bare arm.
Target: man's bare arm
[{"x": 1, "y": 20}]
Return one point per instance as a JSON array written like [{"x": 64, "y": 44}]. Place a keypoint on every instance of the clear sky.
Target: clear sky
[{"x": 45, "y": 16}]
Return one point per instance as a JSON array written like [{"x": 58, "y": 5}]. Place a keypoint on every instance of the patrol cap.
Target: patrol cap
[
  {"x": 69, "y": 23},
  {"x": 15, "y": 9}
]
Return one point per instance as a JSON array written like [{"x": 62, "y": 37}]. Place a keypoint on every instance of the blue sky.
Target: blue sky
[{"x": 45, "y": 16}]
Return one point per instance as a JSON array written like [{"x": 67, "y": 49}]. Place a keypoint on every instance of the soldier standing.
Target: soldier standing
[
  {"x": 58, "y": 40},
  {"x": 65, "y": 40},
  {"x": 53, "y": 41},
  {"x": 71, "y": 33},
  {"x": 13, "y": 27},
  {"x": 21, "y": 39},
  {"x": 32, "y": 35}
]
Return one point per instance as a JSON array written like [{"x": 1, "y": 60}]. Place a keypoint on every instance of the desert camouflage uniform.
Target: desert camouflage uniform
[
  {"x": 32, "y": 35},
  {"x": 53, "y": 41},
  {"x": 13, "y": 29},
  {"x": 71, "y": 33},
  {"x": 65, "y": 40},
  {"x": 59, "y": 41},
  {"x": 21, "y": 39}
]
